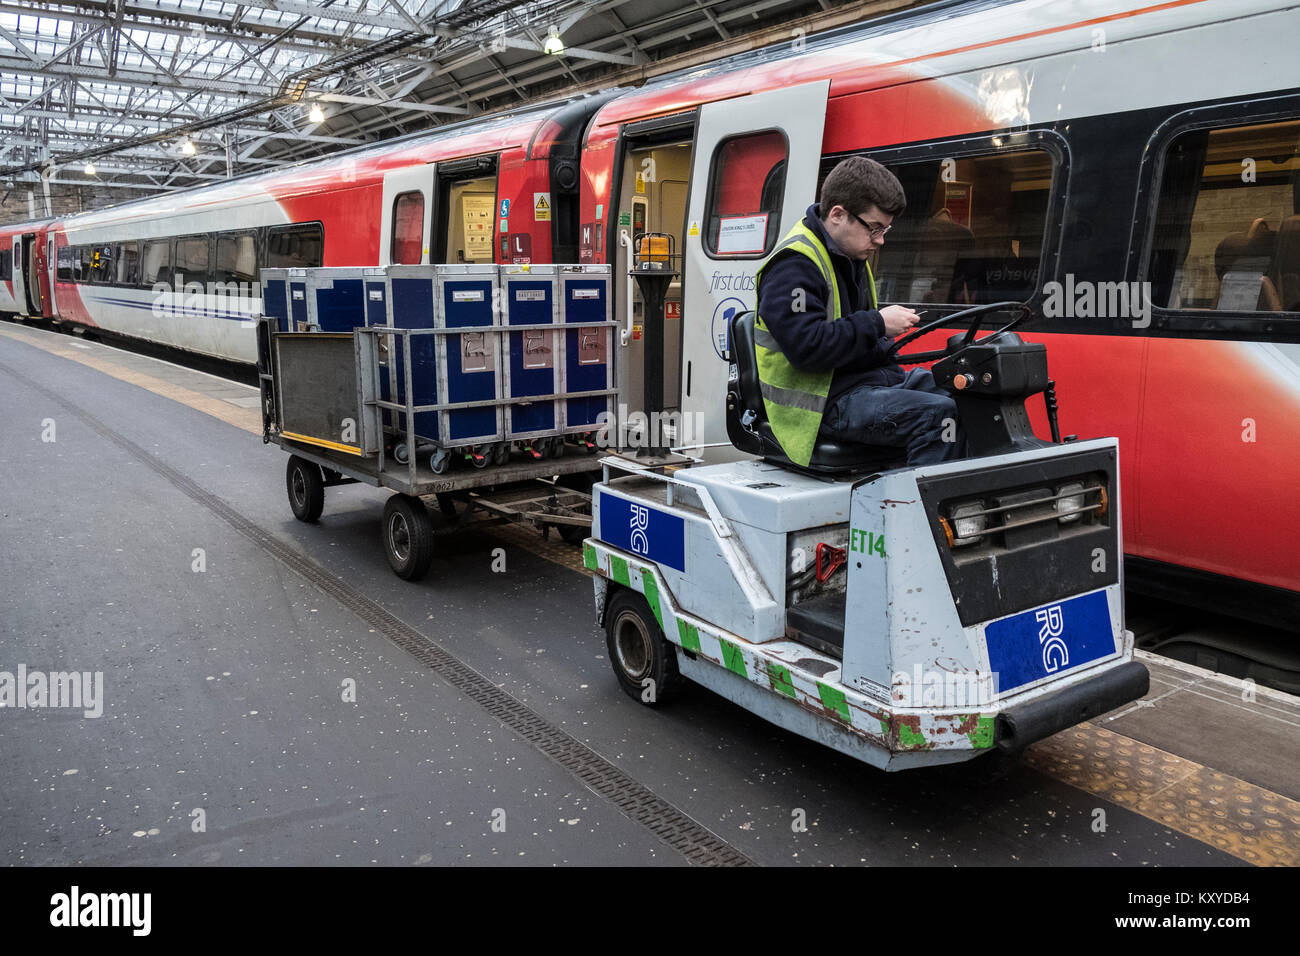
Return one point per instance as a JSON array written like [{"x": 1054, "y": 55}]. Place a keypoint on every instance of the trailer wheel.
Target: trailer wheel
[
  {"x": 306, "y": 488},
  {"x": 643, "y": 660},
  {"x": 408, "y": 536},
  {"x": 572, "y": 533}
]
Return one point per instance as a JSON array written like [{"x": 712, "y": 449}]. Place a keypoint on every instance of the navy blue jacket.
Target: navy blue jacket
[{"x": 855, "y": 346}]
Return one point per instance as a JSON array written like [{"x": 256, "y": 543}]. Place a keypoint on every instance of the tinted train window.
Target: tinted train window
[
  {"x": 65, "y": 263},
  {"x": 6, "y": 264},
  {"x": 972, "y": 232},
  {"x": 157, "y": 262},
  {"x": 236, "y": 259},
  {"x": 102, "y": 265},
  {"x": 408, "y": 228},
  {"x": 82, "y": 266},
  {"x": 746, "y": 186},
  {"x": 295, "y": 247},
  {"x": 1227, "y": 232},
  {"x": 128, "y": 264},
  {"x": 192, "y": 259}
]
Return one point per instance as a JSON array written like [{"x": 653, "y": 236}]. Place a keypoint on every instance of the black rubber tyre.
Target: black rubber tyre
[
  {"x": 440, "y": 461},
  {"x": 572, "y": 533},
  {"x": 643, "y": 660},
  {"x": 501, "y": 454},
  {"x": 481, "y": 456},
  {"x": 306, "y": 488},
  {"x": 408, "y": 536}
]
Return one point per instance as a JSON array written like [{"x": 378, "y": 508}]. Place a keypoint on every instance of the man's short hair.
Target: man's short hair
[{"x": 857, "y": 183}]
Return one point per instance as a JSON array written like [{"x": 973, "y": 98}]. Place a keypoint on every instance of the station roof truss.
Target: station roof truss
[{"x": 111, "y": 99}]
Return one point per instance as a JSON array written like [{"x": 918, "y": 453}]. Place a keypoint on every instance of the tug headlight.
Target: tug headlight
[
  {"x": 1069, "y": 502},
  {"x": 969, "y": 522}
]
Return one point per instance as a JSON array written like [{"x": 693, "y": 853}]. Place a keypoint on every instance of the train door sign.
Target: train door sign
[
  {"x": 719, "y": 286},
  {"x": 399, "y": 183}
]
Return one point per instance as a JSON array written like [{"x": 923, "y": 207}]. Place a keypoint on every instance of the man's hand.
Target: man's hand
[{"x": 898, "y": 320}]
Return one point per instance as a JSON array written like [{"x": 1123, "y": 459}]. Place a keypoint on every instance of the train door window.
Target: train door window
[
  {"x": 64, "y": 271},
  {"x": 408, "y": 228},
  {"x": 236, "y": 258},
  {"x": 128, "y": 264},
  {"x": 300, "y": 246},
  {"x": 973, "y": 231},
  {"x": 746, "y": 185},
  {"x": 1226, "y": 235},
  {"x": 466, "y": 232},
  {"x": 157, "y": 262}
]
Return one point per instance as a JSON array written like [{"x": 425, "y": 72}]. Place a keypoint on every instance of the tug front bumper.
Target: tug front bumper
[{"x": 1018, "y": 727}]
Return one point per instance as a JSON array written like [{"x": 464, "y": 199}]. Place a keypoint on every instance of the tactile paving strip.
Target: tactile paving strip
[{"x": 1239, "y": 818}]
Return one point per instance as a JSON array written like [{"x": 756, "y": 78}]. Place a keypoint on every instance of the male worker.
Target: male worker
[{"x": 822, "y": 342}]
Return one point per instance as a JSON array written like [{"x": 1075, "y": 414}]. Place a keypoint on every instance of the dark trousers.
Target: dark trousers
[{"x": 915, "y": 414}]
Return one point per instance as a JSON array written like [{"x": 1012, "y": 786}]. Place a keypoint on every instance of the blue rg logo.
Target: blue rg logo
[
  {"x": 1055, "y": 653},
  {"x": 722, "y": 316},
  {"x": 638, "y": 525}
]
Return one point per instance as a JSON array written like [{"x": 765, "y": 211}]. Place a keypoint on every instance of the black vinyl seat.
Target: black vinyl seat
[{"x": 751, "y": 432}]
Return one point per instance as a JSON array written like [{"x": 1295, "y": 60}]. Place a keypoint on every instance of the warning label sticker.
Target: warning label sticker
[{"x": 542, "y": 207}]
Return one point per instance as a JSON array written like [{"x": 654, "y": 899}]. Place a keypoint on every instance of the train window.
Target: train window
[
  {"x": 408, "y": 228},
  {"x": 1226, "y": 235},
  {"x": 192, "y": 259},
  {"x": 300, "y": 246},
  {"x": 6, "y": 264},
  {"x": 746, "y": 185},
  {"x": 236, "y": 258},
  {"x": 82, "y": 268},
  {"x": 65, "y": 255},
  {"x": 128, "y": 264},
  {"x": 972, "y": 232},
  {"x": 157, "y": 262},
  {"x": 102, "y": 266}
]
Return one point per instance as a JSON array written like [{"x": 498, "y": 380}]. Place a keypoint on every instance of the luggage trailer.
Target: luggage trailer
[
  {"x": 907, "y": 617},
  {"x": 377, "y": 403}
]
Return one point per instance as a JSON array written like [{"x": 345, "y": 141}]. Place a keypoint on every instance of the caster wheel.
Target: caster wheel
[
  {"x": 306, "y": 488},
  {"x": 440, "y": 461},
  {"x": 408, "y": 536},
  {"x": 481, "y": 456},
  {"x": 643, "y": 660},
  {"x": 557, "y": 447},
  {"x": 501, "y": 456}
]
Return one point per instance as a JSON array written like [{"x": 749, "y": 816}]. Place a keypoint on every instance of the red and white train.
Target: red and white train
[{"x": 1130, "y": 170}]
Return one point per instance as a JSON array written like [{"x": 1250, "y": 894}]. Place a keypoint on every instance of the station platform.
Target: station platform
[{"x": 273, "y": 695}]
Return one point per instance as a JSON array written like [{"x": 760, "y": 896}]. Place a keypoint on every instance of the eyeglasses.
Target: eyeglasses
[{"x": 875, "y": 228}]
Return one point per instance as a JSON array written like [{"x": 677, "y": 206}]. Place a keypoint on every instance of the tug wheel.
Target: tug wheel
[
  {"x": 306, "y": 488},
  {"x": 643, "y": 660},
  {"x": 408, "y": 536}
]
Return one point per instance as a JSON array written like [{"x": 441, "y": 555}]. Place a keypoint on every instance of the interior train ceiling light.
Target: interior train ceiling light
[{"x": 554, "y": 45}]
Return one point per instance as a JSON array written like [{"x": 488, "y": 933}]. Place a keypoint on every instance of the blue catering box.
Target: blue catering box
[
  {"x": 275, "y": 297},
  {"x": 466, "y": 297},
  {"x": 531, "y": 368},
  {"x": 410, "y": 301},
  {"x": 588, "y": 366},
  {"x": 337, "y": 299}
]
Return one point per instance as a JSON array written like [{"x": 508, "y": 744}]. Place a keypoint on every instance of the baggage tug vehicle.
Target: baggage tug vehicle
[{"x": 907, "y": 617}]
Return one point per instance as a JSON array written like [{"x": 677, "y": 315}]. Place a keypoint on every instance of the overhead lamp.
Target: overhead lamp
[
  {"x": 90, "y": 169},
  {"x": 553, "y": 46},
  {"x": 317, "y": 115},
  {"x": 188, "y": 147}
]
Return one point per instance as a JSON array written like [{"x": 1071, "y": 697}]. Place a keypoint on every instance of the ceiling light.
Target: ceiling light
[
  {"x": 90, "y": 169},
  {"x": 188, "y": 147},
  {"x": 554, "y": 45},
  {"x": 317, "y": 115}
]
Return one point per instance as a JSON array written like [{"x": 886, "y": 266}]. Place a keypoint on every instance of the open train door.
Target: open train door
[
  {"x": 24, "y": 302},
  {"x": 754, "y": 175},
  {"x": 404, "y": 229}
]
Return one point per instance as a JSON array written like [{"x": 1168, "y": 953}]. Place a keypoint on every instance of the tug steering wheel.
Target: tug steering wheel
[{"x": 975, "y": 315}]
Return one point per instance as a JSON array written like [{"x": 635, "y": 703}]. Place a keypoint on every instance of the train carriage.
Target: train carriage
[
  {"x": 24, "y": 279},
  {"x": 1148, "y": 215}
]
